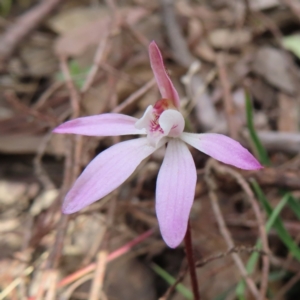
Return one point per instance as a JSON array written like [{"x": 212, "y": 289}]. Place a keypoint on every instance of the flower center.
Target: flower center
[
  {"x": 159, "y": 107},
  {"x": 161, "y": 120}
]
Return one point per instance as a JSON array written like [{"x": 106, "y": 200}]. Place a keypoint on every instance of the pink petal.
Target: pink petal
[
  {"x": 164, "y": 83},
  {"x": 223, "y": 149},
  {"x": 100, "y": 125},
  {"x": 106, "y": 172},
  {"x": 175, "y": 192}
]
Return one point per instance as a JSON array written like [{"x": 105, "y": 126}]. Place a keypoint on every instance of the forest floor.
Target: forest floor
[{"x": 63, "y": 59}]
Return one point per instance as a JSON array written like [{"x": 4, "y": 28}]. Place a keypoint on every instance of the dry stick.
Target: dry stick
[
  {"x": 281, "y": 263},
  {"x": 78, "y": 145},
  {"x": 178, "y": 44},
  {"x": 71, "y": 166},
  {"x": 191, "y": 261},
  {"x": 237, "y": 249},
  {"x": 92, "y": 252},
  {"x": 188, "y": 80},
  {"x": 201, "y": 263},
  {"x": 13, "y": 100},
  {"x": 287, "y": 287},
  {"x": 22, "y": 26},
  {"x": 294, "y": 6},
  {"x": 38, "y": 168},
  {"x": 99, "y": 57},
  {"x": 98, "y": 278},
  {"x": 74, "y": 96},
  {"x": 263, "y": 235},
  {"x": 47, "y": 94},
  {"x": 134, "y": 96},
  {"x": 142, "y": 39},
  {"x": 102, "y": 46},
  {"x": 286, "y": 142},
  {"x": 97, "y": 283},
  {"x": 180, "y": 50},
  {"x": 120, "y": 74},
  {"x": 69, "y": 291},
  {"x": 173, "y": 286},
  {"x": 51, "y": 292},
  {"x": 112, "y": 256},
  {"x": 224, "y": 231},
  {"x": 9, "y": 288},
  {"x": 248, "y": 7},
  {"x": 228, "y": 102}
]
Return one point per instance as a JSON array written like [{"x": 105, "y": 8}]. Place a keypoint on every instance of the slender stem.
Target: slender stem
[{"x": 191, "y": 262}]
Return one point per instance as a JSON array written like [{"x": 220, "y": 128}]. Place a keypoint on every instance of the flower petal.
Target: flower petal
[
  {"x": 164, "y": 83},
  {"x": 175, "y": 192},
  {"x": 223, "y": 149},
  {"x": 101, "y": 125},
  {"x": 171, "y": 122},
  {"x": 106, "y": 172}
]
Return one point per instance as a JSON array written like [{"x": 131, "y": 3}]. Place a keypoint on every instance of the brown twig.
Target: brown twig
[
  {"x": 263, "y": 235},
  {"x": 281, "y": 263},
  {"x": 120, "y": 74},
  {"x": 280, "y": 294},
  {"x": 237, "y": 249},
  {"x": 51, "y": 291},
  {"x": 178, "y": 43},
  {"x": 69, "y": 291},
  {"x": 22, "y": 26},
  {"x": 74, "y": 95},
  {"x": 227, "y": 96},
  {"x": 71, "y": 167},
  {"x": 13, "y": 100},
  {"x": 10, "y": 287},
  {"x": 134, "y": 96},
  {"x": 201, "y": 263},
  {"x": 38, "y": 168},
  {"x": 170, "y": 290},
  {"x": 191, "y": 262},
  {"x": 47, "y": 94},
  {"x": 97, "y": 241},
  {"x": 294, "y": 7},
  {"x": 286, "y": 142},
  {"x": 224, "y": 230},
  {"x": 78, "y": 145},
  {"x": 98, "y": 59},
  {"x": 112, "y": 256},
  {"x": 143, "y": 40},
  {"x": 97, "y": 283},
  {"x": 207, "y": 113}
]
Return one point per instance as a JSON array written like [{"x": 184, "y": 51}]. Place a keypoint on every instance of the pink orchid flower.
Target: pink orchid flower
[{"x": 162, "y": 124}]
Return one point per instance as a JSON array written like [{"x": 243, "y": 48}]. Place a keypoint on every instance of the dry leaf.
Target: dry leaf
[
  {"x": 229, "y": 39},
  {"x": 75, "y": 18},
  {"x": 43, "y": 201},
  {"x": 75, "y": 42},
  {"x": 288, "y": 113},
  {"x": 272, "y": 64}
]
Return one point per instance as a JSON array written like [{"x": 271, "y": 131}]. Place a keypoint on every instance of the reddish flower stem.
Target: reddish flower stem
[{"x": 191, "y": 261}]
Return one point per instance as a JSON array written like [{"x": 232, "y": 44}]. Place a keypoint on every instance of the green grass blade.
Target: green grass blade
[
  {"x": 292, "y": 43},
  {"x": 225, "y": 294},
  {"x": 240, "y": 290},
  {"x": 295, "y": 205},
  {"x": 277, "y": 275},
  {"x": 260, "y": 150},
  {"x": 5, "y": 7},
  {"x": 171, "y": 280},
  {"x": 77, "y": 73},
  {"x": 278, "y": 224}
]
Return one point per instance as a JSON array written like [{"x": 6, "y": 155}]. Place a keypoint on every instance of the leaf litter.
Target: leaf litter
[{"x": 260, "y": 47}]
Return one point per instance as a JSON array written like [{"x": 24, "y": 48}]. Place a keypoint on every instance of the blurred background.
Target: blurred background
[{"x": 235, "y": 64}]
